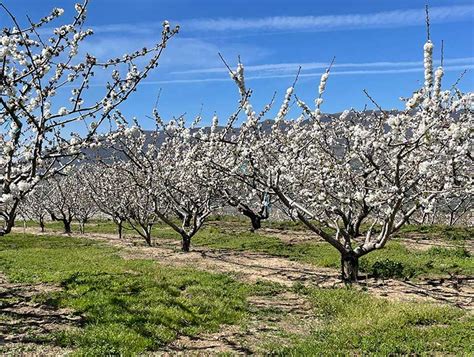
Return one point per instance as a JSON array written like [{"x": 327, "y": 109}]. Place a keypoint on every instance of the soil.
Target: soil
[{"x": 23, "y": 322}]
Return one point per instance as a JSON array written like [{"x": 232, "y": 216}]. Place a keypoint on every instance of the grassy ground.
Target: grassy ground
[
  {"x": 129, "y": 306},
  {"x": 134, "y": 306},
  {"x": 353, "y": 322},
  {"x": 449, "y": 233},
  {"x": 396, "y": 260}
]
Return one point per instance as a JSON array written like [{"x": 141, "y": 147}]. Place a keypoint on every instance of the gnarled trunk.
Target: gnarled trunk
[
  {"x": 120, "y": 229},
  {"x": 256, "y": 223},
  {"x": 148, "y": 240},
  {"x": 349, "y": 267},
  {"x": 147, "y": 235},
  {"x": 255, "y": 219},
  {"x": 185, "y": 218},
  {"x": 187, "y": 221},
  {"x": 451, "y": 219},
  {"x": 67, "y": 226},
  {"x": 41, "y": 224},
  {"x": 185, "y": 242},
  {"x": 9, "y": 218},
  {"x": 82, "y": 227}
]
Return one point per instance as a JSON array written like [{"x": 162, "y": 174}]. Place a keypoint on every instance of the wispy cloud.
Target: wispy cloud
[
  {"x": 335, "y": 22},
  {"x": 293, "y": 67},
  {"x": 180, "y": 54},
  {"x": 449, "y": 68},
  {"x": 395, "y": 18}
]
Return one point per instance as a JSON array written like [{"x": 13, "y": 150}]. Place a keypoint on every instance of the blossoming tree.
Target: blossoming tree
[
  {"x": 356, "y": 179},
  {"x": 35, "y": 73},
  {"x": 168, "y": 164},
  {"x": 34, "y": 205},
  {"x": 110, "y": 193}
]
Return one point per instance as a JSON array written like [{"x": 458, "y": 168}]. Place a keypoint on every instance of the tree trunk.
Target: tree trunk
[
  {"x": 82, "y": 227},
  {"x": 148, "y": 239},
  {"x": 119, "y": 229},
  {"x": 147, "y": 234},
  {"x": 256, "y": 223},
  {"x": 187, "y": 220},
  {"x": 423, "y": 220},
  {"x": 9, "y": 220},
  {"x": 41, "y": 223},
  {"x": 349, "y": 268},
  {"x": 451, "y": 219},
  {"x": 67, "y": 226},
  {"x": 185, "y": 242},
  {"x": 255, "y": 219}
]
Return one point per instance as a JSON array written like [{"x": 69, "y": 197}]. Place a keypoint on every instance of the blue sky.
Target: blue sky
[{"x": 377, "y": 45}]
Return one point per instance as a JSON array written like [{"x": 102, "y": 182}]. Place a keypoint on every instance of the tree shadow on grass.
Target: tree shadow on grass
[{"x": 24, "y": 320}]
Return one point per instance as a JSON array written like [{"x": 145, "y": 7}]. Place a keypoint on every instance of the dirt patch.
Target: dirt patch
[
  {"x": 455, "y": 291},
  {"x": 24, "y": 323},
  {"x": 253, "y": 267},
  {"x": 273, "y": 319},
  {"x": 247, "y": 266},
  {"x": 291, "y": 237}
]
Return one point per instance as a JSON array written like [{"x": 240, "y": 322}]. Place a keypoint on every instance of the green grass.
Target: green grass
[
  {"x": 129, "y": 306},
  {"x": 450, "y": 233},
  {"x": 318, "y": 253},
  {"x": 397, "y": 261},
  {"x": 159, "y": 230},
  {"x": 355, "y": 323},
  {"x": 394, "y": 261}
]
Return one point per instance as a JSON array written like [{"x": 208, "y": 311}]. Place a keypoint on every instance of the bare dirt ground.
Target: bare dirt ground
[
  {"x": 252, "y": 267},
  {"x": 270, "y": 316},
  {"x": 413, "y": 240},
  {"x": 22, "y": 320},
  {"x": 287, "y": 312}
]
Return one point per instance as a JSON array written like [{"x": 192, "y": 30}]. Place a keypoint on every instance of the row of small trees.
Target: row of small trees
[{"x": 353, "y": 179}]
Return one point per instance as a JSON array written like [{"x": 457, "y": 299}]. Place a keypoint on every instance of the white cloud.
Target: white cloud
[
  {"x": 193, "y": 52},
  {"x": 180, "y": 52},
  {"x": 293, "y": 67},
  {"x": 449, "y": 68},
  {"x": 395, "y": 18}
]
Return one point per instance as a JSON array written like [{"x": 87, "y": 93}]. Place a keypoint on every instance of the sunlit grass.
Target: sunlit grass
[
  {"x": 395, "y": 260},
  {"x": 355, "y": 323},
  {"x": 129, "y": 306}
]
